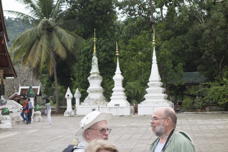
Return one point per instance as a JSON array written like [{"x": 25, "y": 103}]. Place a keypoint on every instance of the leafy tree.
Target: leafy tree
[
  {"x": 213, "y": 42},
  {"x": 89, "y": 14},
  {"x": 212, "y": 94},
  {"x": 135, "y": 59},
  {"x": 46, "y": 42},
  {"x": 218, "y": 93}
]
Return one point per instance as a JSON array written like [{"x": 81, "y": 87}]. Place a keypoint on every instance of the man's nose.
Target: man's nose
[{"x": 107, "y": 132}]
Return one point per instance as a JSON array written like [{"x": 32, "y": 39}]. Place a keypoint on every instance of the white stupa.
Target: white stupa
[
  {"x": 95, "y": 91},
  {"x": 118, "y": 104},
  {"x": 68, "y": 96},
  {"x": 155, "y": 96}
]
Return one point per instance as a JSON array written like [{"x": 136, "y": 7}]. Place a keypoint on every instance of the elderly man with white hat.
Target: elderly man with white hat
[{"x": 93, "y": 126}]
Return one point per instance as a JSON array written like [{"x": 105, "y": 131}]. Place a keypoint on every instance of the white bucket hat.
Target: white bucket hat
[{"x": 92, "y": 118}]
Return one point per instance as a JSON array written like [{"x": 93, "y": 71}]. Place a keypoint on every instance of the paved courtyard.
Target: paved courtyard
[{"x": 130, "y": 133}]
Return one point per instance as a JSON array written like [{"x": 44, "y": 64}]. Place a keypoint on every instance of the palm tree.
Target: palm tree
[{"x": 40, "y": 46}]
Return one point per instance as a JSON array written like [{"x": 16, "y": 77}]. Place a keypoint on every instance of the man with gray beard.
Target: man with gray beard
[{"x": 163, "y": 124}]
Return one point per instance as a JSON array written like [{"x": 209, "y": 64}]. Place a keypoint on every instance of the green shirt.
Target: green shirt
[{"x": 178, "y": 142}]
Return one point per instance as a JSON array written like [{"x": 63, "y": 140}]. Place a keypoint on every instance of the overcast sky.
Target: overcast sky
[
  {"x": 17, "y": 6},
  {"x": 13, "y": 5}
]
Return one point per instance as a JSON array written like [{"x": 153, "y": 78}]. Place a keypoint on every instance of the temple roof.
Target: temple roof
[
  {"x": 23, "y": 92},
  {"x": 193, "y": 77},
  {"x": 5, "y": 61}
]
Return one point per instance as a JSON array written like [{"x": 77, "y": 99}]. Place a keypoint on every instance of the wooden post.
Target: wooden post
[{"x": 2, "y": 90}]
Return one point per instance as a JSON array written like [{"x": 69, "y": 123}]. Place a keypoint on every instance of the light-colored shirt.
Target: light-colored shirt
[
  {"x": 159, "y": 147},
  {"x": 81, "y": 146},
  {"x": 48, "y": 106}
]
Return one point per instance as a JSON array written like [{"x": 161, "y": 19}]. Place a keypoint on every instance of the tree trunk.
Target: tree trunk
[
  {"x": 162, "y": 16},
  {"x": 56, "y": 89}
]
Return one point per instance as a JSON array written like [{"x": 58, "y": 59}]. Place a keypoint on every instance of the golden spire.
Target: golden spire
[
  {"x": 94, "y": 42},
  {"x": 117, "y": 51}
]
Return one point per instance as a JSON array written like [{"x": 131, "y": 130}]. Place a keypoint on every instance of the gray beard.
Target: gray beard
[{"x": 159, "y": 131}]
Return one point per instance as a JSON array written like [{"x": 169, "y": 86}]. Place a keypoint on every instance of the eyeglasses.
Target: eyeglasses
[
  {"x": 102, "y": 130},
  {"x": 156, "y": 118}
]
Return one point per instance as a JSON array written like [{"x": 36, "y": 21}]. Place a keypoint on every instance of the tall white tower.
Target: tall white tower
[
  {"x": 118, "y": 98},
  {"x": 155, "y": 96},
  {"x": 95, "y": 91}
]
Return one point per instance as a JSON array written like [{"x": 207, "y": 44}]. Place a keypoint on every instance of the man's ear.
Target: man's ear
[
  {"x": 86, "y": 134},
  {"x": 168, "y": 121}
]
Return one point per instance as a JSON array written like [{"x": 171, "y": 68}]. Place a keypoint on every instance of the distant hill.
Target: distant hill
[{"x": 15, "y": 26}]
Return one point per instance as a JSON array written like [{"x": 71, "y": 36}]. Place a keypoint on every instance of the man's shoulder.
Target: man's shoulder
[
  {"x": 181, "y": 141},
  {"x": 154, "y": 144},
  {"x": 74, "y": 148},
  {"x": 181, "y": 135},
  {"x": 79, "y": 150}
]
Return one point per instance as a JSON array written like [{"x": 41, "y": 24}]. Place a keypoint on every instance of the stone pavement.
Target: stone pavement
[{"x": 130, "y": 133}]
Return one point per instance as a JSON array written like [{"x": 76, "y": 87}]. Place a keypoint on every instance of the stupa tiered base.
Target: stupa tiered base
[
  {"x": 5, "y": 121},
  {"x": 118, "y": 111},
  {"x": 85, "y": 109},
  {"x": 148, "y": 108},
  {"x": 69, "y": 113},
  {"x": 119, "y": 107}
]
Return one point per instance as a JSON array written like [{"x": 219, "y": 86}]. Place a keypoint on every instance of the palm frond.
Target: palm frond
[
  {"x": 65, "y": 38},
  {"x": 45, "y": 51},
  {"x": 24, "y": 43},
  {"x": 34, "y": 9},
  {"x": 58, "y": 47},
  {"x": 45, "y": 41},
  {"x": 57, "y": 9},
  {"x": 36, "y": 53},
  {"x": 46, "y": 7},
  {"x": 39, "y": 46},
  {"x": 26, "y": 59},
  {"x": 27, "y": 2}
]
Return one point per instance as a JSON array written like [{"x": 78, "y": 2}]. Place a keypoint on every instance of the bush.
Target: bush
[
  {"x": 5, "y": 111},
  {"x": 216, "y": 95},
  {"x": 37, "y": 107},
  {"x": 187, "y": 103}
]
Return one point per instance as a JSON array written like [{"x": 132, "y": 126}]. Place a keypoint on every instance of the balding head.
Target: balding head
[{"x": 168, "y": 112}]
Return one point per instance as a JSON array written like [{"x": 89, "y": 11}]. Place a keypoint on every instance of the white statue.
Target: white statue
[{"x": 69, "y": 96}]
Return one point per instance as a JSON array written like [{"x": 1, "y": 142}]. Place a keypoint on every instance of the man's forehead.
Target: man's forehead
[{"x": 157, "y": 113}]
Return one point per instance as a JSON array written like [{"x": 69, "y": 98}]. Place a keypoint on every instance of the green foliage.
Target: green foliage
[
  {"x": 213, "y": 42},
  {"x": 15, "y": 26},
  {"x": 206, "y": 95},
  {"x": 137, "y": 8},
  {"x": 135, "y": 61},
  {"x": 187, "y": 103},
  {"x": 43, "y": 42},
  {"x": 42, "y": 46},
  {"x": 217, "y": 94},
  {"x": 86, "y": 15},
  {"x": 37, "y": 107},
  {"x": 135, "y": 92},
  {"x": 5, "y": 111}
]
